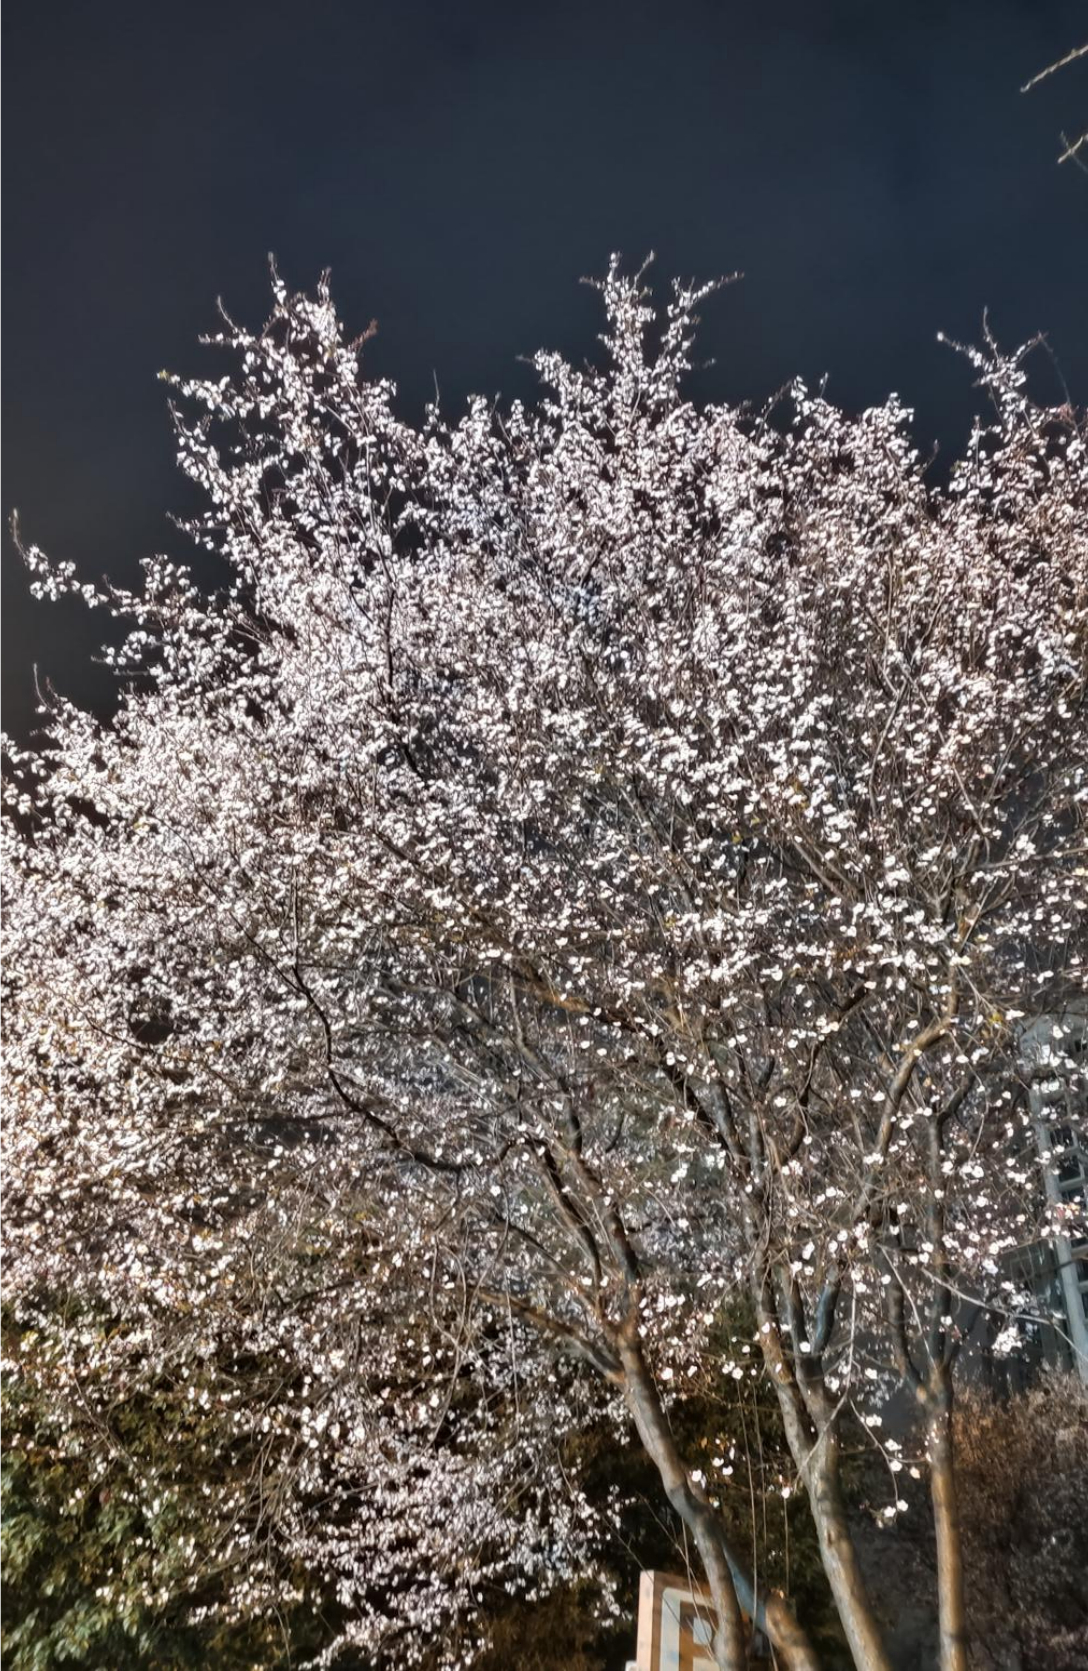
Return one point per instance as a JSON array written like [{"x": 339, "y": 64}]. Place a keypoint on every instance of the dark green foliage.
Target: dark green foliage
[
  {"x": 110, "y": 1538},
  {"x": 83, "y": 1561}
]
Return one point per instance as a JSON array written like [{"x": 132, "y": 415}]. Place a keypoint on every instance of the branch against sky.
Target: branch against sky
[
  {"x": 594, "y": 856},
  {"x": 1071, "y": 148}
]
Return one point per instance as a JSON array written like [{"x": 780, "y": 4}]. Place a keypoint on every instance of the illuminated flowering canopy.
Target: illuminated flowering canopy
[{"x": 587, "y": 861}]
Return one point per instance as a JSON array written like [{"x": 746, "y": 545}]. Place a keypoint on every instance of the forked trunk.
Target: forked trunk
[{"x": 810, "y": 1434}]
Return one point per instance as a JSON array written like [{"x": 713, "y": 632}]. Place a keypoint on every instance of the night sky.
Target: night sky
[{"x": 872, "y": 169}]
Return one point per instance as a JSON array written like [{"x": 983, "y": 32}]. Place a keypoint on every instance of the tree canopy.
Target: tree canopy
[{"x": 585, "y": 866}]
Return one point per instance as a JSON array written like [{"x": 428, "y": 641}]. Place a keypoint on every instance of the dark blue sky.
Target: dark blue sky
[{"x": 871, "y": 168}]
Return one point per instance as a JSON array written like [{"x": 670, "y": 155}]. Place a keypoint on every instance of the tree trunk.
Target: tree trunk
[
  {"x": 730, "y": 1646},
  {"x": 952, "y": 1611},
  {"x": 728, "y": 1582},
  {"x": 810, "y": 1434},
  {"x": 779, "y": 1622},
  {"x": 840, "y": 1561}
]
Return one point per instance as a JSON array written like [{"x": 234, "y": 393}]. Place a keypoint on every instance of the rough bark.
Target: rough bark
[
  {"x": 839, "y": 1557},
  {"x": 951, "y": 1600}
]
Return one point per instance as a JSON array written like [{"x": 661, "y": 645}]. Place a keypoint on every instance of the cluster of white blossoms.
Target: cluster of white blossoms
[{"x": 588, "y": 862}]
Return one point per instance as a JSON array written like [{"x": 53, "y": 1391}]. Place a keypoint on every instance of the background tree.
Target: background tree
[
  {"x": 119, "y": 1513},
  {"x": 1023, "y": 1465}
]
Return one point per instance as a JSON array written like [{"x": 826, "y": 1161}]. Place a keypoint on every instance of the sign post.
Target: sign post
[{"x": 676, "y": 1622}]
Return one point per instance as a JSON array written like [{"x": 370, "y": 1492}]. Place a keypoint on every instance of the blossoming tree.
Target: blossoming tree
[{"x": 590, "y": 861}]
